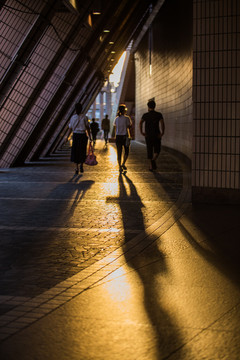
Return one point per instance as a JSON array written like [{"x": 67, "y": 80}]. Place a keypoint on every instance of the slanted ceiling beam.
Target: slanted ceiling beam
[
  {"x": 146, "y": 26},
  {"x": 78, "y": 62}
]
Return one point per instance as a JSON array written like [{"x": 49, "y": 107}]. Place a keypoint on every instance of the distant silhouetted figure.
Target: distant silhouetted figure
[
  {"x": 106, "y": 127},
  {"x": 80, "y": 128},
  {"x": 94, "y": 130},
  {"x": 154, "y": 130},
  {"x": 122, "y": 124}
]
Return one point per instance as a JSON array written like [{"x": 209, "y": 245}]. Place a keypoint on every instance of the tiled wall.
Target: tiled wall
[
  {"x": 12, "y": 110},
  {"x": 170, "y": 82},
  {"x": 195, "y": 82},
  {"x": 216, "y": 96}
]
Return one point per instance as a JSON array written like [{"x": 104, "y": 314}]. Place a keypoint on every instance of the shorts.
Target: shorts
[{"x": 153, "y": 146}]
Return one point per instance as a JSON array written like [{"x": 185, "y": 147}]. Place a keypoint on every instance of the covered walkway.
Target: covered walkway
[{"x": 105, "y": 266}]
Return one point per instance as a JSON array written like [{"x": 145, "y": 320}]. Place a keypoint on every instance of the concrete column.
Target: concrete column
[
  {"x": 94, "y": 109},
  {"x": 109, "y": 100},
  {"x": 101, "y": 106}
]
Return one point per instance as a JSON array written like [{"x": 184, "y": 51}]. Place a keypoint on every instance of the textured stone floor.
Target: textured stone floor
[
  {"x": 108, "y": 266},
  {"x": 54, "y": 224}
]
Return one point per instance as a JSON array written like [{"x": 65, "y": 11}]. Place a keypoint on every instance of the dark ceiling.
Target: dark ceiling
[{"x": 117, "y": 25}]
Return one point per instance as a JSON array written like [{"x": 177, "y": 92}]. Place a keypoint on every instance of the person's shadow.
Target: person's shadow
[
  {"x": 80, "y": 189},
  {"x": 149, "y": 264}
]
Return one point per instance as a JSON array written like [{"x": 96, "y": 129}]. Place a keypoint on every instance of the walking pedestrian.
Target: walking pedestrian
[
  {"x": 106, "y": 128},
  {"x": 154, "y": 130},
  {"x": 122, "y": 124},
  {"x": 94, "y": 130},
  {"x": 81, "y": 131}
]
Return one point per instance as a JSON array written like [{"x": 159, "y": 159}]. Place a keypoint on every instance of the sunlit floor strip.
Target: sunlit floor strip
[
  {"x": 69, "y": 229},
  {"x": 83, "y": 201}
]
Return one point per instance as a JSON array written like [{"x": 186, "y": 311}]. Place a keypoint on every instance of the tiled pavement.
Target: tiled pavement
[
  {"x": 55, "y": 224},
  {"x": 71, "y": 243}
]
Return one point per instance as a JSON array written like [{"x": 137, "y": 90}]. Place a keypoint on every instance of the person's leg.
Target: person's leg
[
  {"x": 119, "y": 150},
  {"x": 83, "y": 150},
  {"x": 153, "y": 161},
  {"x": 105, "y": 136},
  {"x": 76, "y": 168},
  {"x": 94, "y": 138},
  {"x": 119, "y": 155},
  {"x": 75, "y": 152},
  {"x": 126, "y": 153},
  {"x": 149, "y": 144},
  {"x": 156, "y": 152}
]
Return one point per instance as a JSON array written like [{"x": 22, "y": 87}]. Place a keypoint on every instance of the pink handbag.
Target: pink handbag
[{"x": 91, "y": 157}]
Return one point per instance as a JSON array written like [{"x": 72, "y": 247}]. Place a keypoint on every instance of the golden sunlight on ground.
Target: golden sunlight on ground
[
  {"x": 112, "y": 155},
  {"x": 111, "y": 188},
  {"x": 116, "y": 266},
  {"x": 120, "y": 289}
]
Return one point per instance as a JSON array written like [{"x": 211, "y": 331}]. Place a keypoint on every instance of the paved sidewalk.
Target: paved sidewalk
[
  {"x": 54, "y": 224},
  {"x": 108, "y": 266}
]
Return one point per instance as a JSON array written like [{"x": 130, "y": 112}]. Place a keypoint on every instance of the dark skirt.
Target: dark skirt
[{"x": 79, "y": 148}]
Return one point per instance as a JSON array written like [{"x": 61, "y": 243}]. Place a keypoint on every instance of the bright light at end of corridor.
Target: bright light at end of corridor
[{"x": 116, "y": 75}]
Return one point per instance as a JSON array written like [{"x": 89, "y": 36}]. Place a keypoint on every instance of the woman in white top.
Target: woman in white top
[
  {"x": 122, "y": 124},
  {"x": 80, "y": 128}
]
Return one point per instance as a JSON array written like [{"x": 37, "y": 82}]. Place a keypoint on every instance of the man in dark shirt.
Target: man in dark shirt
[
  {"x": 106, "y": 127},
  {"x": 154, "y": 130},
  {"x": 94, "y": 130}
]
